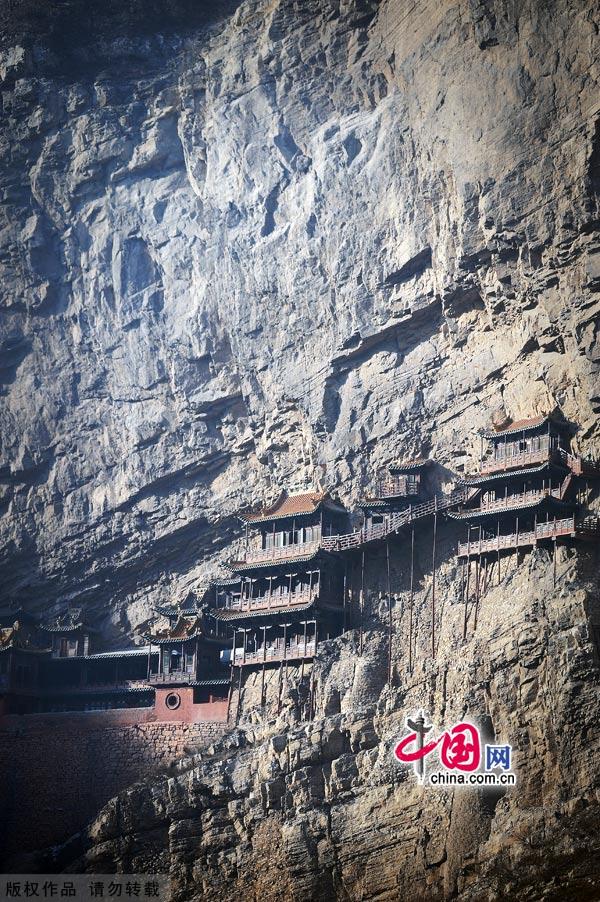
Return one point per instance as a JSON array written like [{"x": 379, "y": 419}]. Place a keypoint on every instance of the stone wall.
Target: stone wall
[{"x": 57, "y": 770}]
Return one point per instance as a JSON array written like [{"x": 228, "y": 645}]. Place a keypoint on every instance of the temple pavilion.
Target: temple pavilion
[
  {"x": 403, "y": 485},
  {"x": 530, "y": 485},
  {"x": 286, "y": 592},
  {"x": 187, "y": 669}
]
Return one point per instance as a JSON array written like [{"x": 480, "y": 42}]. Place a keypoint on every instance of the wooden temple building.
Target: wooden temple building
[
  {"x": 286, "y": 592},
  {"x": 186, "y": 672},
  {"x": 402, "y": 486},
  {"x": 290, "y": 583},
  {"x": 529, "y": 490},
  {"x": 54, "y": 668}
]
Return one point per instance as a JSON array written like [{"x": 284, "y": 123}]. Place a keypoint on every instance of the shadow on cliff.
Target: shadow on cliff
[{"x": 76, "y": 32}]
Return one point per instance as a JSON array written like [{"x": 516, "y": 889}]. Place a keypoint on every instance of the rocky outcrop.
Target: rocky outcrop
[
  {"x": 292, "y": 809},
  {"x": 282, "y": 246}
]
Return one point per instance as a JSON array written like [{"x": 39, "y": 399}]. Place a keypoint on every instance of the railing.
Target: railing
[
  {"x": 525, "y": 538},
  {"x": 578, "y": 465},
  {"x": 516, "y": 461},
  {"x": 271, "y": 601},
  {"x": 265, "y": 555},
  {"x": 169, "y": 679},
  {"x": 275, "y": 653},
  {"x": 397, "y": 520},
  {"x": 397, "y": 487},
  {"x": 523, "y": 498}
]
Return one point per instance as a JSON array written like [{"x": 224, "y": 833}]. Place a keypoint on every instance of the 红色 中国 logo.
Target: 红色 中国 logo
[{"x": 464, "y": 759}]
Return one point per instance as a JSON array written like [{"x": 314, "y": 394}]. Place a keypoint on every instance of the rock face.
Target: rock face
[
  {"x": 292, "y": 810},
  {"x": 279, "y": 247},
  {"x": 276, "y": 243}
]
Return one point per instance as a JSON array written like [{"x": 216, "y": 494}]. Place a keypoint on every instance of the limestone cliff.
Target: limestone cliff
[
  {"x": 266, "y": 243},
  {"x": 283, "y": 244}
]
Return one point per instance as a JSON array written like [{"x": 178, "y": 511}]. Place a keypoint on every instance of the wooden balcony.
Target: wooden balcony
[
  {"x": 516, "y": 461},
  {"x": 515, "y": 501},
  {"x": 271, "y": 601},
  {"x": 398, "y": 487},
  {"x": 268, "y": 555},
  {"x": 524, "y": 539},
  {"x": 275, "y": 653}
]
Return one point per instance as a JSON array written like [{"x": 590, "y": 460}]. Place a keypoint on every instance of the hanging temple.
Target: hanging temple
[{"x": 288, "y": 587}]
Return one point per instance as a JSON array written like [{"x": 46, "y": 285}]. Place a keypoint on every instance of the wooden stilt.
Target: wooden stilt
[
  {"x": 389, "y": 595},
  {"x": 433, "y": 581},
  {"x": 362, "y": 601},
  {"x": 344, "y": 623},
  {"x": 239, "y": 698},
  {"x": 554, "y": 560},
  {"x": 264, "y": 661},
  {"x": 467, "y": 598},
  {"x": 477, "y": 593},
  {"x": 498, "y": 543},
  {"x": 412, "y": 598},
  {"x": 279, "y": 688}
]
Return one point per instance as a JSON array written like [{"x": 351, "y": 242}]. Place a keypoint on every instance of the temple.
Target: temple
[
  {"x": 189, "y": 680},
  {"x": 290, "y": 584},
  {"x": 54, "y": 668},
  {"x": 287, "y": 591},
  {"x": 402, "y": 486},
  {"x": 529, "y": 489}
]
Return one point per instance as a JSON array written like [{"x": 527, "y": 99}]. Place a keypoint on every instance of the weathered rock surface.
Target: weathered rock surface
[
  {"x": 282, "y": 247},
  {"x": 285, "y": 245},
  {"x": 295, "y": 810}
]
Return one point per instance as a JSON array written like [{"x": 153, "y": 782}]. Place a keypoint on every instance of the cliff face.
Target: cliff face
[
  {"x": 288, "y": 809},
  {"x": 280, "y": 245}
]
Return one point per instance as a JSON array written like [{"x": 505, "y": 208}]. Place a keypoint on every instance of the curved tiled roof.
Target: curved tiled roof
[
  {"x": 184, "y": 629},
  {"x": 404, "y": 466},
  {"x": 291, "y": 506},
  {"x": 524, "y": 426},
  {"x": 511, "y": 474},
  {"x": 226, "y": 614},
  {"x": 238, "y": 566},
  {"x": 477, "y": 512}
]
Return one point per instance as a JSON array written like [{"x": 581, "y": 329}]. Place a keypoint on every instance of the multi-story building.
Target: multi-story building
[
  {"x": 528, "y": 489},
  {"x": 288, "y": 592}
]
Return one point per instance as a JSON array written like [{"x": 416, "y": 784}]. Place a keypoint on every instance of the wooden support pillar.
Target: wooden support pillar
[
  {"x": 344, "y": 623},
  {"x": 433, "y": 564},
  {"x": 389, "y": 595},
  {"x": 239, "y": 698},
  {"x": 362, "y": 601},
  {"x": 412, "y": 597},
  {"x": 498, "y": 544},
  {"x": 468, "y": 586},
  {"x": 264, "y": 661},
  {"x": 477, "y": 593}
]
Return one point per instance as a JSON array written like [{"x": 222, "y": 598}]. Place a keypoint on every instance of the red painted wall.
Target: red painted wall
[{"x": 188, "y": 712}]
